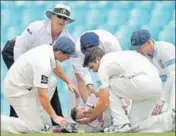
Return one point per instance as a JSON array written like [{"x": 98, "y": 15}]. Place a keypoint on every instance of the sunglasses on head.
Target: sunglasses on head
[{"x": 59, "y": 16}]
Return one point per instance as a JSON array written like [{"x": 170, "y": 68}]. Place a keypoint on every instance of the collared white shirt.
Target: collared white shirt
[
  {"x": 164, "y": 59},
  {"x": 33, "y": 68},
  {"x": 37, "y": 33},
  {"x": 108, "y": 42},
  {"x": 124, "y": 64}
]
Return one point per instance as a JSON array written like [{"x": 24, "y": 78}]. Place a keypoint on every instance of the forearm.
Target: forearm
[
  {"x": 101, "y": 105},
  {"x": 91, "y": 88},
  {"x": 44, "y": 99},
  {"x": 60, "y": 73},
  {"x": 167, "y": 88}
]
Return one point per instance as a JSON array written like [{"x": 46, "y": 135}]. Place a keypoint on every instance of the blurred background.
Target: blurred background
[{"x": 119, "y": 17}]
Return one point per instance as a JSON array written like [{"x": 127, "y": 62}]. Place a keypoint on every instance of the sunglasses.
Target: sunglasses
[{"x": 60, "y": 17}]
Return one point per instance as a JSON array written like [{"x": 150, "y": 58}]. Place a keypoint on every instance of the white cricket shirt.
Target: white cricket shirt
[
  {"x": 124, "y": 64},
  {"x": 164, "y": 59},
  {"x": 33, "y": 68}
]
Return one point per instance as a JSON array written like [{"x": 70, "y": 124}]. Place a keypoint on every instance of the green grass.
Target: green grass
[{"x": 93, "y": 134}]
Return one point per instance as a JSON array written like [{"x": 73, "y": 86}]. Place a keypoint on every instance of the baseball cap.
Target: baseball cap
[
  {"x": 138, "y": 38},
  {"x": 89, "y": 39},
  {"x": 66, "y": 45}
]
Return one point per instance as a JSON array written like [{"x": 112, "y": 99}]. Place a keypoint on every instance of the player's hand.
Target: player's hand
[
  {"x": 158, "y": 108},
  {"x": 83, "y": 121},
  {"x": 127, "y": 101},
  {"x": 61, "y": 121},
  {"x": 73, "y": 89}
]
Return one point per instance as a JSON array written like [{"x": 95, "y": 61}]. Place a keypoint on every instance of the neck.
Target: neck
[
  {"x": 151, "y": 49},
  {"x": 55, "y": 32}
]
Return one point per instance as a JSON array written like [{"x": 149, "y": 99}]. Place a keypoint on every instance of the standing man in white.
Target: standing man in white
[
  {"x": 162, "y": 55},
  {"x": 29, "y": 86},
  {"x": 125, "y": 74}
]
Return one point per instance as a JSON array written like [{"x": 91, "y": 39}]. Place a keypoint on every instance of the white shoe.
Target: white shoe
[{"x": 118, "y": 129}]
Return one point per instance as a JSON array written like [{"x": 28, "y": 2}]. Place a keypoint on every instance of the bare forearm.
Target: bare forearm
[
  {"x": 101, "y": 105},
  {"x": 91, "y": 88},
  {"x": 44, "y": 99}
]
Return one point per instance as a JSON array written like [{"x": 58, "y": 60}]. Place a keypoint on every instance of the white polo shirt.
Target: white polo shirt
[
  {"x": 164, "y": 59},
  {"x": 124, "y": 64},
  {"x": 33, "y": 68},
  {"x": 37, "y": 33},
  {"x": 108, "y": 42}
]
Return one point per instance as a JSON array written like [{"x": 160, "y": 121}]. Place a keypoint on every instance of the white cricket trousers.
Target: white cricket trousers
[
  {"x": 143, "y": 90},
  {"x": 31, "y": 115}
]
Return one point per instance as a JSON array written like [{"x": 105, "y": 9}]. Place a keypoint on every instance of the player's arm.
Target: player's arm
[
  {"x": 60, "y": 73},
  {"x": 45, "y": 102},
  {"x": 25, "y": 40},
  {"x": 168, "y": 55},
  {"x": 44, "y": 99},
  {"x": 83, "y": 72},
  {"x": 169, "y": 70},
  {"x": 102, "y": 104}
]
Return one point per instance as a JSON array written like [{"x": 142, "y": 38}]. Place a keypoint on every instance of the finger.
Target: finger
[
  {"x": 158, "y": 111},
  {"x": 154, "y": 111}
]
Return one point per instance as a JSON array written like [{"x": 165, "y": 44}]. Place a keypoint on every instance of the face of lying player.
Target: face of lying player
[{"x": 83, "y": 111}]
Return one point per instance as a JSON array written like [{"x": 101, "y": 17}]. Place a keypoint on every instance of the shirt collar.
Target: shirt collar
[{"x": 155, "y": 52}]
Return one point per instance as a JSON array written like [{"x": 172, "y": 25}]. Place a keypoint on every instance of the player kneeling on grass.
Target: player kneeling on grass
[
  {"x": 162, "y": 56},
  {"x": 29, "y": 86},
  {"x": 128, "y": 74}
]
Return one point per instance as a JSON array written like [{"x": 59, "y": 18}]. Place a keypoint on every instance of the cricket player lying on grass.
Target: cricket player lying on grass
[
  {"x": 85, "y": 110},
  {"x": 29, "y": 86},
  {"x": 101, "y": 122},
  {"x": 130, "y": 75}
]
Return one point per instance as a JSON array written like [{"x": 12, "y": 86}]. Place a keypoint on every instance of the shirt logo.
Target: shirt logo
[
  {"x": 161, "y": 63},
  {"x": 29, "y": 31},
  {"x": 44, "y": 79}
]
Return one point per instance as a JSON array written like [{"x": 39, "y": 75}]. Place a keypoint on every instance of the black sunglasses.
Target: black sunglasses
[{"x": 59, "y": 16}]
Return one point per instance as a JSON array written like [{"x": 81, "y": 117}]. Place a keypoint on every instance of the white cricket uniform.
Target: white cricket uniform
[
  {"x": 108, "y": 42},
  {"x": 30, "y": 71},
  {"x": 131, "y": 75},
  {"x": 38, "y": 33},
  {"x": 164, "y": 59}
]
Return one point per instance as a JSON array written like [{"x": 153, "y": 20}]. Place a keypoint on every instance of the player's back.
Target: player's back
[{"x": 129, "y": 63}]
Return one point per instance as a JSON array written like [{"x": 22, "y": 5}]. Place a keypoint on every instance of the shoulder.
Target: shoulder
[
  {"x": 37, "y": 25},
  {"x": 164, "y": 47}
]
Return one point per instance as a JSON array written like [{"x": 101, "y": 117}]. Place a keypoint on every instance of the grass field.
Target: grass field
[{"x": 94, "y": 134}]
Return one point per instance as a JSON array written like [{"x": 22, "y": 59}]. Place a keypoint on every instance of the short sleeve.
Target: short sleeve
[{"x": 41, "y": 75}]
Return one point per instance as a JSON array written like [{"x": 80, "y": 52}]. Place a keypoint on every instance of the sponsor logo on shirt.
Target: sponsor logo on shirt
[
  {"x": 44, "y": 79},
  {"x": 29, "y": 31},
  {"x": 161, "y": 63}
]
